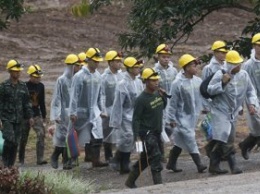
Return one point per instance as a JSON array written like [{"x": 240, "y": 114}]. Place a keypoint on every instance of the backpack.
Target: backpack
[{"x": 204, "y": 86}]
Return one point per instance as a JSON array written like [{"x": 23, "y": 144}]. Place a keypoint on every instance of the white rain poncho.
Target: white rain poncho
[
  {"x": 109, "y": 82},
  {"x": 166, "y": 75},
  {"x": 87, "y": 103},
  {"x": 225, "y": 106},
  {"x": 184, "y": 109},
  {"x": 252, "y": 66},
  {"x": 60, "y": 106},
  {"x": 211, "y": 68},
  {"x": 122, "y": 112}
]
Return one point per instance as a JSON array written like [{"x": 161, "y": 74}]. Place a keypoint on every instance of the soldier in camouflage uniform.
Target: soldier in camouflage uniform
[
  {"x": 37, "y": 96},
  {"x": 147, "y": 125},
  {"x": 14, "y": 108}
]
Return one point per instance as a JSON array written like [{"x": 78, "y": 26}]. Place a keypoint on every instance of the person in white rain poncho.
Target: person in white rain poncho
[
  {"x": 232, "y": 89},
  {"x": 252, "y": 66},
  {"x": 87, "y": 107},
  {"x": 184, "y": 109},
  {"x": 110, "y": 78},
  {"x": 216, "y": 63},
  {"x": 60, "y": 112},
  {"x": 167, "y": 73},
  {"x": 122, "y": 112}
]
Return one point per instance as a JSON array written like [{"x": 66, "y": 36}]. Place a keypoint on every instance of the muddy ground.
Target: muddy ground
[{"x": 49, "y": 32}]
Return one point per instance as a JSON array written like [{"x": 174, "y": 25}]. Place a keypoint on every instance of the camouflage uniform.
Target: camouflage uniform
[
  {"x": 14, "y": 108},
  {"x": 37, "y": 96}
]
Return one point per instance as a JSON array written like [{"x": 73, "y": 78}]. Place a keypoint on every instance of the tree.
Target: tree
[
  {"x": 155, "y": 21},
  {"x": 10, "y": 9}
]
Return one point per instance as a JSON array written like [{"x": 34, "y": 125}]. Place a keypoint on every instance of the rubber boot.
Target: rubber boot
[
  {"x": 66, "y": 160},
  {"x": 197, "y": 161},
  {"x": 55, "y": 157},
  {"x": 21, "y": 155},
  {"x": 214, "y": 164},
  {"x": 172, "y": 162},
  {"x": 40, "y": 153},
  {"x": 209, "y": 147},
  {"x": 247, "y": 145},
  {"x": 232, "y": 164},
  {"x": 124, "y": 162},
  {"x": 157, "y": 177},
  {"x": 95, "y": 149},
  {"x": 88, "y": 153},
  {"x": 115, "y": 161},
  {"x": 108, "y": 151},
  {"x": 132, "y": 177}
]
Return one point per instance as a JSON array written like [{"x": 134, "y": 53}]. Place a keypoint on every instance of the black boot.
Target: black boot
[
  {"x": 67, "y": 165},
  {"x": 115, "y": 161},
  {"x": 214, "y": 164},
  {"x": 197, "y": 161},
  {"x": 124, "y": 163},
  {"x": 132, "y": 177},
  {"x": 55, "y": 157},
  {"x": 247, "y": 145},
  {"x": 95, "y": 151},
  {"x": 157, "y": 177},
  {"x": 232, "y": 164},
  {"x": 174, "y": 154},
  {"x": 40, "y": 153},
  {"x": 88, "y": 153},
  {"x": 108, "y": 151}
]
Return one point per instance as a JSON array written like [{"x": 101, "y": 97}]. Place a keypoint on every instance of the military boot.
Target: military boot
[
  {"x": 233, "y": 165},
  {"x": 197, "y": 161},
  {"x": 214, "y": 164},
  {"x": 132, "y": 177},
  {"x": 55, "y": 157},
  {"x": 247, "y": 145},
  {"x": 174, "y": 154},
  {"x": 40, "y": 153},
  {"x": 157, "y": 177}
]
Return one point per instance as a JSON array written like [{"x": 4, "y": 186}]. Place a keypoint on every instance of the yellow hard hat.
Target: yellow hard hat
[
  {"x": 94, "y": 54},
  {"x": 35, "y": 71},
  {"x": 219, "y": 45},
  {"x": 13, "y": 65},
  {"x": 186, "y": 59},
  {"x": 71, "y": 59},
  {"x": 256, "y": 39},
  {"x": 113, "y": 55},
  {"x": 149, "y": 73},
  {"x": 163, "y": 49},
  {"x": 82, "y": 58},
  {"x": 131, "y": 62},
  {"x": 233, "y": 57}
]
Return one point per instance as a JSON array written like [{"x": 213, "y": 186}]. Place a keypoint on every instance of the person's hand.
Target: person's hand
[
  {"x": 103, "y": 115},
  {"x": 251, "y": 109},
  {"x": 73, "y": 118},
  {"x": 173, "y": 124},
  {"x": 51, "y": 130},
  {"x": 226, "y": 78},
  {"x": 31, "y": 122}
]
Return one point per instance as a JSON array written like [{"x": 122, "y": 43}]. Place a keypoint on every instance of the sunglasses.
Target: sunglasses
[
  {"x": 166, "y": 49},
  {"x": 97, "y": 54},
  {"x": 37, "y": 71}
]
